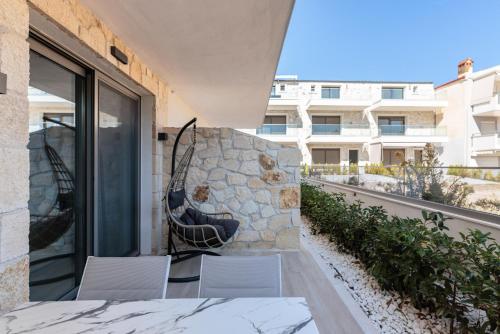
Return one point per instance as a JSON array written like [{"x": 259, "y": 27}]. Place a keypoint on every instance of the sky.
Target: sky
[{"x": 390, "y": 40}]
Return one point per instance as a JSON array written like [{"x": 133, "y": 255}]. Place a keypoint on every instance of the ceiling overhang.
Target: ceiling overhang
[
  {"x": 219, "y": 57},
  {"x": 410, "y": 105}
]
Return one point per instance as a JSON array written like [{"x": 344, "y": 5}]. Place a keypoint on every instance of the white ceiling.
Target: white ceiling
[{"x": 219, "y": 56}]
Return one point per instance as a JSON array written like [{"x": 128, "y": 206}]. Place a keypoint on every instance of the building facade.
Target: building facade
[
  {"x": 350, "y": 122},
  {"x": 472, "y": 116}
]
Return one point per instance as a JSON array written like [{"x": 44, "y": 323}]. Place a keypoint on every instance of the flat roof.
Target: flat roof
[{"x": 357, "y": 81}]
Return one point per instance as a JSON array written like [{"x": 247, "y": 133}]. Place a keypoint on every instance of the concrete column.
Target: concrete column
[
  {"x": 306, "y": 129},
  {"x": 14, "y": 158}
]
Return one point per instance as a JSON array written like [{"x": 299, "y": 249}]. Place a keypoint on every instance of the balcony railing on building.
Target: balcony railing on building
[
  {"x": 278, "y": 130},
  {"x": 410, "y": 130},
  {"x": 486, "y": 142},
  {"x": 340, "y": 129}
]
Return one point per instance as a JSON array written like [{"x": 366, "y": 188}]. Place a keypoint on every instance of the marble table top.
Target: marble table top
[{"x": 187, "y": 316}]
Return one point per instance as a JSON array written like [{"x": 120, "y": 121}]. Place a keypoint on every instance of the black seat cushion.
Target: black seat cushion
[
  {"x": 226, "y": 228},
  {"x": 186, "y": 219},
  {"x": 176, "y": 198}
]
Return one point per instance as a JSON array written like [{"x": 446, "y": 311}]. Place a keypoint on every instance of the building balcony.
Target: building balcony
[
  {"x": 410, "y": 130},
  {"x": 283, "y": 102},
  {"x": 486, "y": 144},
  {"x": 490, "y": 108},
  {"x": 345, "y": 133},
  {"x": 284, "y": 95},
  {"x": 409, "y": 105},
  {"x": 338, "y": 104},
  {"x": 283, "y": 133},
  {"x": 410, "y": 135}
]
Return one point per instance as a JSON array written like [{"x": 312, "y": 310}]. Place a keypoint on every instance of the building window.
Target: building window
[
  {"x": 273, "y": 125},
  {"x": 330, "y": 92},
  {"x": 487, "y": 127},
  {"x": 325, "y": 125},
  {"x": 391, "y": 125},
  {"x": 393, "y": 156},
  {"x": 353, "y": 157},
  {"x": 418, "y": 156},
  {"x": 313, "y": 88},
  {"x": 282, "y": 87},
  {"x": 392, "y": 93},
  {"x": 273, "y": 92},
  {"x": 326, "y": 156}
]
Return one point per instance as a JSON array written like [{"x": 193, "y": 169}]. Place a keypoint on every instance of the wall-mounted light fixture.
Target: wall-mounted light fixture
[
  {"x": 118, "y": 54},
  {"x": 162, "y": 136},
  {"x": 3, "y": 83}
]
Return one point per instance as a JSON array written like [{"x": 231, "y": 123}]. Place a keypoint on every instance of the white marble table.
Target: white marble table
[{"x": 187, "y": 316}]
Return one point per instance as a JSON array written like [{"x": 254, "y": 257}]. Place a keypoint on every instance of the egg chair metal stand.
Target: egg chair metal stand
[{"x": 203, "y": 237}]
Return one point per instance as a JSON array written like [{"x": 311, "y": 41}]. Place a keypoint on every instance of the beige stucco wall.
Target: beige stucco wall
[
  {"x": 454, "y": 117},
  {"x": 464, "y": 97}
]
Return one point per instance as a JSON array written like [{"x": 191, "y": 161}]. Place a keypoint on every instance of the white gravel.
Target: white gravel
[{"x": 387, "y": 311}]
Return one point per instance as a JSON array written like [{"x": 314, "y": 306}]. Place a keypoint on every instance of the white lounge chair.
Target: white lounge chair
[
  {"x": 125, "y": 278},
  {"x": 240, "y": 276}
]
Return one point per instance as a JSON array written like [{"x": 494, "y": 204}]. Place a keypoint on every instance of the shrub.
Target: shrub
[
  {"x": 380, "y": 169},
  {"x": 488, "y": 175},
  {"x": 458, "y": 170},
  {"x": 353, "y": 169},
  {"x": 304, "y": 170},
  {"x": 426, "y": 181},
  {"x": 489, "y": 204},
  {"x": 414, "y": 257}
]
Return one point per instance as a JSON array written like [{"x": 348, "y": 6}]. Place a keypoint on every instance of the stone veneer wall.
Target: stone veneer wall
[
  {"x": 14, "y": 159},
  {"x": 255, "y": 179}
]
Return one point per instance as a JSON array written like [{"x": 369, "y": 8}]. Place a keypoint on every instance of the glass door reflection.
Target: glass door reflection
[
  {"x": 56, "y": 97},
  {"x": 118, "y": 172}
]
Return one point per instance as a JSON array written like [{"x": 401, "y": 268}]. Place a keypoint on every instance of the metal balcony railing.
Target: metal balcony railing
[
  {"x": 340, "y": 129},
  {"x": 326, "y": 129},
  {"x": 410, "y": 130},
  {"x": 278, "y": 129},
  {"x": 486, "y": 142},
  {"x": 414, "y": 180}
]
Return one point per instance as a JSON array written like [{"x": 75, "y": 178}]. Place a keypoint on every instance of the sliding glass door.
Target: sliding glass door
[
  {"x": 118, "y": 171},
  {"x": 56, "y": 97},
  {"x": 84, "y": 170}
]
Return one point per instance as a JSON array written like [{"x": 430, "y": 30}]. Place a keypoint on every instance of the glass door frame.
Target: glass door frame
[
  {"x": 101, "y": 77},
  {"x": 87, "y": 157},
  {"x": 83, "y": 185}
]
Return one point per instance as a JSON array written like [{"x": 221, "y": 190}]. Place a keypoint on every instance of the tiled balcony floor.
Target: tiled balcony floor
[{"x": 302, "y": 277}]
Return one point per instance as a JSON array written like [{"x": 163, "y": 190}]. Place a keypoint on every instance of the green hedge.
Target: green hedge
[
  {"x": 474, "y": 173},
  {"x": 414, "y": 257}
]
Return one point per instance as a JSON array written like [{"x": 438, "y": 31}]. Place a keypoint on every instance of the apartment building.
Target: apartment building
[
  {"x": 472, "y": 116},
  {"x": 354, "y": 122}
]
